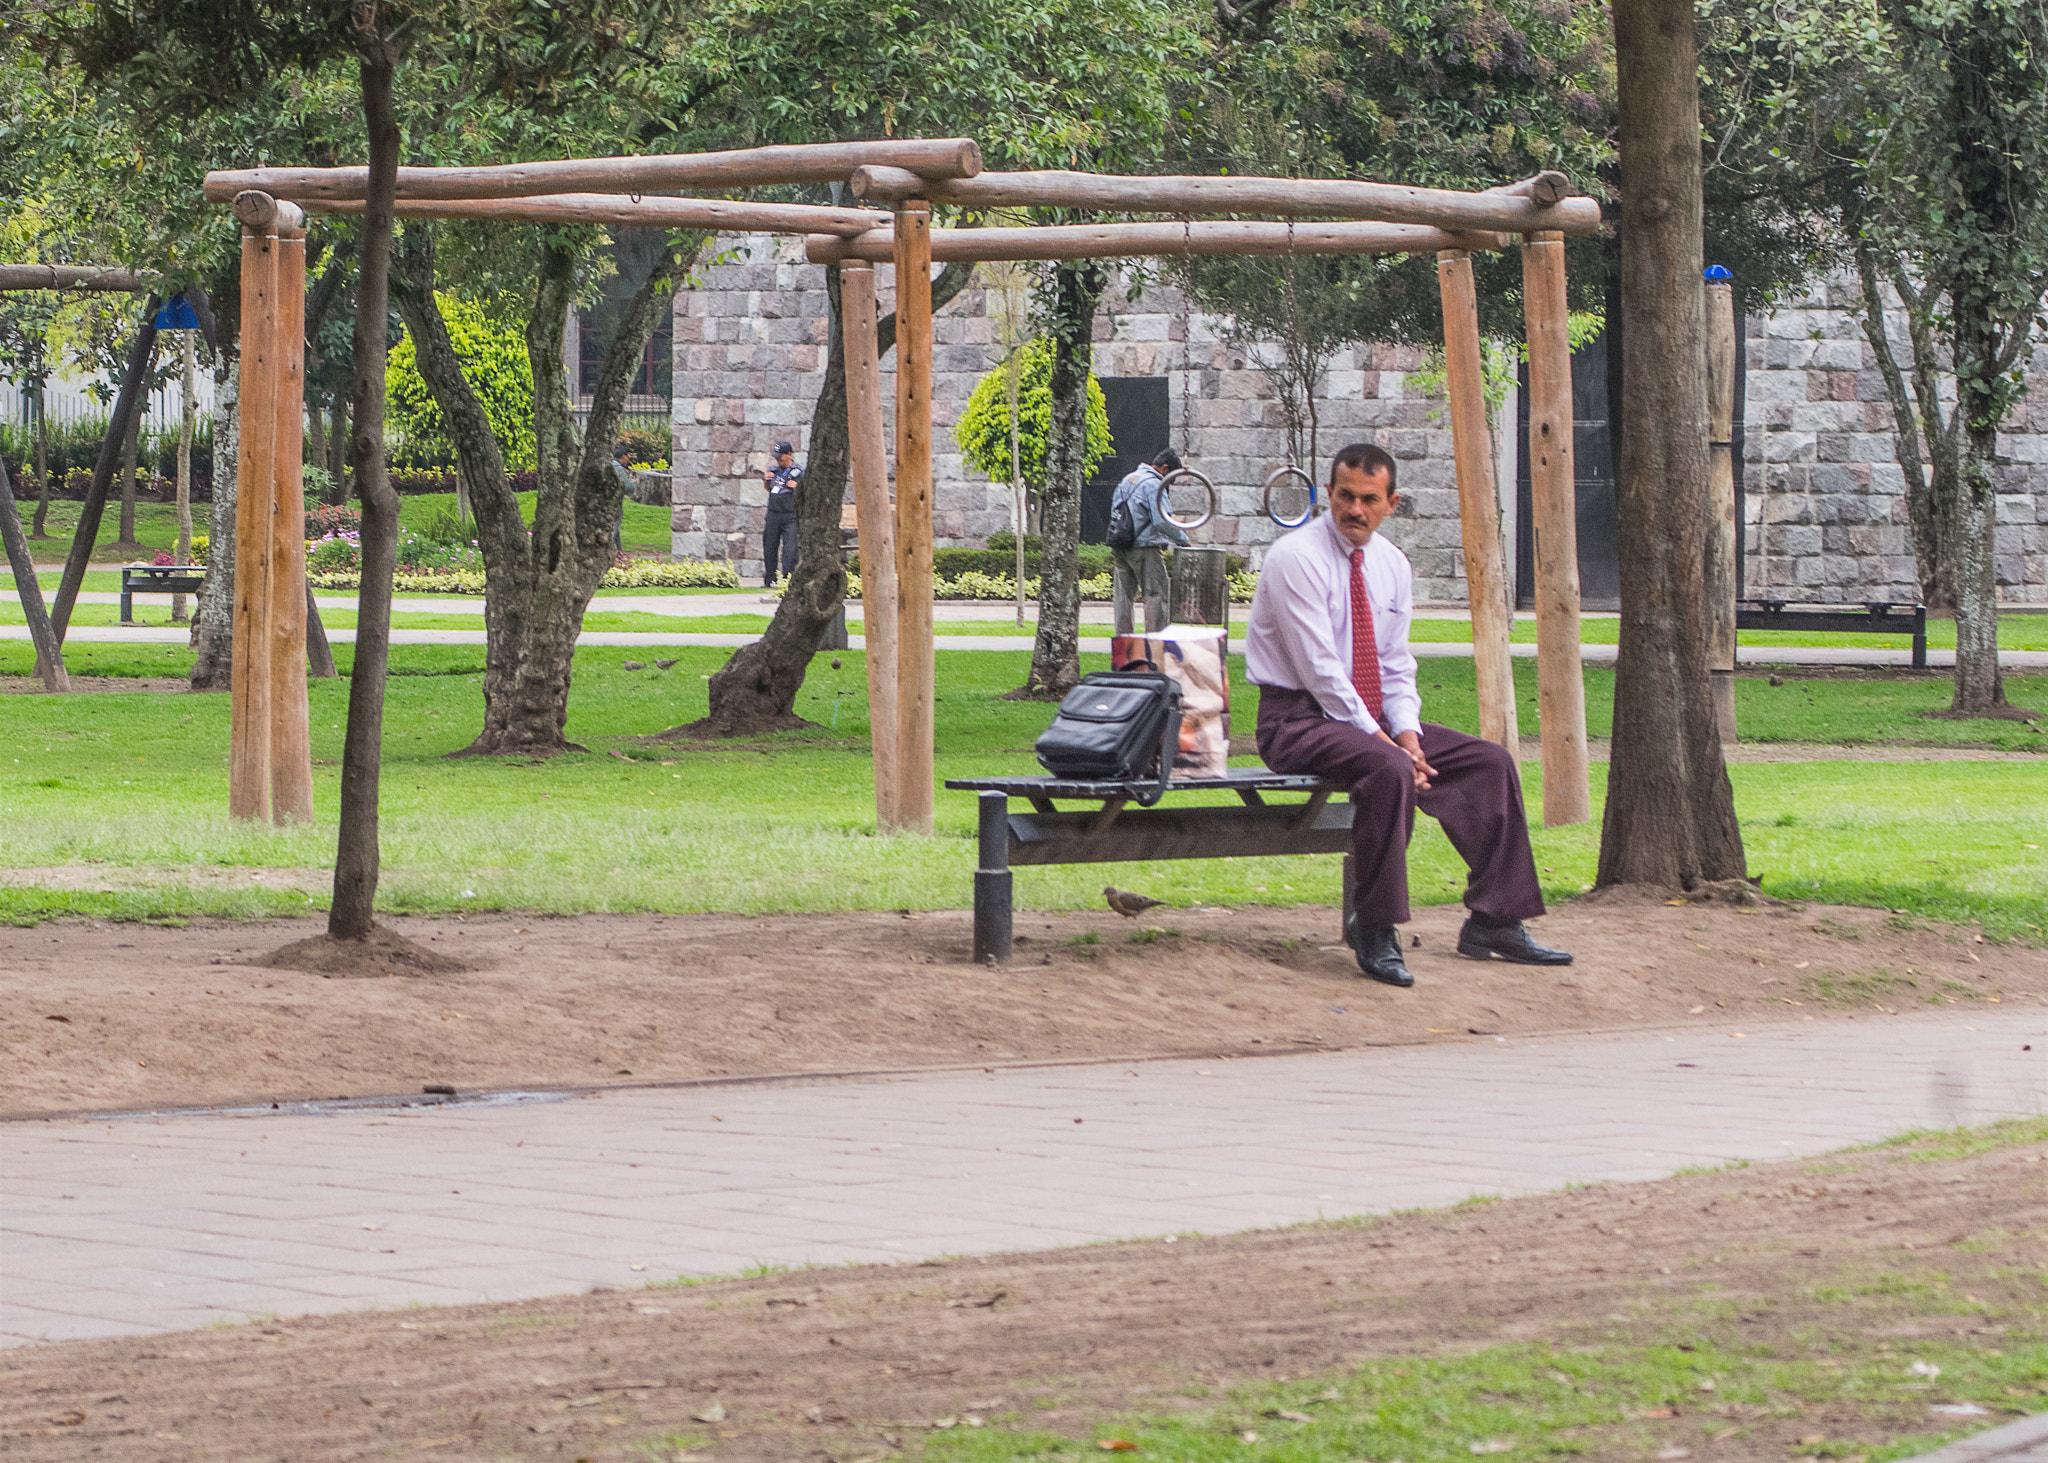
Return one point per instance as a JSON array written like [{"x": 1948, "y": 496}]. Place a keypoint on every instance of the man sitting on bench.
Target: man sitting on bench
[{"x": 1327, "y": 644}]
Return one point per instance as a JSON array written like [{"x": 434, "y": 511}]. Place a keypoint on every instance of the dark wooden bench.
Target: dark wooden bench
[
  {"x": 1875, "y": 617},
  {"x": 1112, "y": 831},
  {"x": 157, "y": 579}
]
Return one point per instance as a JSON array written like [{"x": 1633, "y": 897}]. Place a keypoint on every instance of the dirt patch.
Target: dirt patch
[
  {"x": 1840, "y": 1258},
  {"x": 97, "y": 1015},
  {"x": 379, "y": 955},
  {"x": 98, "y": 685}
]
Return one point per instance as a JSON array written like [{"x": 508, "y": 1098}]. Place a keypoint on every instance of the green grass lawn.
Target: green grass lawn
[
  {"x": 787, "y": 822},
  {"x": 645, "y": 528}
]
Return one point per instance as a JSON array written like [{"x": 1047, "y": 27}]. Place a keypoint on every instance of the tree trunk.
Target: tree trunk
[
  {"x": 1932, "y": 567},
  {"x": 356, "y": 856},
  {"x": 127, "y": 406},
  {"x": 337, "y": 454},
  {"x": 1982, "y": 332},
  {"x": 316, "y": 436},
  {"x": 755, "y": 691},
  {"x": 1971, "y": 524},
  {"x": 213, "y": 619},
  {"x": 1670, "y": 818},
  {"x": 538, "y": 583},
  {"x": 42, "y": 466},
  {"x": 129, "y": 451},
  {"x": 1056, "y": 651}
]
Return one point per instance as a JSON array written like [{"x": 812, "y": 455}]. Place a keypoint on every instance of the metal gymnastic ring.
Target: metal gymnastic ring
[
  {"x": 1166, "y": 504},
  {"x": 1280, "y": 476}
]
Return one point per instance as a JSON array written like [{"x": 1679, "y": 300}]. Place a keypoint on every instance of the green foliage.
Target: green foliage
[
  {"x": 494, "y": 360},
  {"x": 983, "y": 430}
]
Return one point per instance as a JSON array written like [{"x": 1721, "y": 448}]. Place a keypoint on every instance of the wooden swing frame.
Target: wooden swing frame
[{"x": 270, "y": 766}]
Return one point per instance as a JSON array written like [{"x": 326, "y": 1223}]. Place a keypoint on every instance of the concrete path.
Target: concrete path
[
  {"x": 1427, "y": 650},
  {"x": 2025, "y": 1441},
  {"x": 132, "y": 1225}
]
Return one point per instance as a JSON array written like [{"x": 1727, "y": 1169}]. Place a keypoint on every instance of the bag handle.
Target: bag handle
[{"x": 1169, "y": 743}]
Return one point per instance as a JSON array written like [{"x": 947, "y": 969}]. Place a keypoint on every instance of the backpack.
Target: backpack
[
  {"x": 1122, "y": 532},
  {"x": 1116, "y": 726}
]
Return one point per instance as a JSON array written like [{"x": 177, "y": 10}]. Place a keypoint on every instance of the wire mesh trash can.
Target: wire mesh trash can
[{"x": 1201, "y": 587}]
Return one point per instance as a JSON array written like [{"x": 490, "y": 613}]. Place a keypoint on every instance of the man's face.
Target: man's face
[
  {"x": 785, "y": 459},
  {"x": 1360, "y": 502}
]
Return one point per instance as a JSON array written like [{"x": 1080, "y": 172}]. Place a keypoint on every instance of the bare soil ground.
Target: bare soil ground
[
  {"x": 110, "y": 1016},
  {"x": 1817, "y": 1259}
]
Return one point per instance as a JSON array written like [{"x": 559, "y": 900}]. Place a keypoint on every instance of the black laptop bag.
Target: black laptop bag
[{"x": 1117, "y": 726}]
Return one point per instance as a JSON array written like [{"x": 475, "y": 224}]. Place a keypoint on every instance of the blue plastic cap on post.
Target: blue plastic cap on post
[
  {"x": 1715, "y": 273},
  {"x": 176, "y": 313}
]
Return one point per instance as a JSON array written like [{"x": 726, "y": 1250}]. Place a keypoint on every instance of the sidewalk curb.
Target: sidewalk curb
[{"x": 2016, "y": 1442}]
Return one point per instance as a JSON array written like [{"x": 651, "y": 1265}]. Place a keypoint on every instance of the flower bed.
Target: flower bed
[
  {"x": 641, "y": 574},
  {"x": 976, "y": 585}
]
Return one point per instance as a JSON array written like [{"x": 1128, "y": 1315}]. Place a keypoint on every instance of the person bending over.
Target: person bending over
[
  {"x": 1139, "y": 571},
  {"x": 1327, "y": 644}
]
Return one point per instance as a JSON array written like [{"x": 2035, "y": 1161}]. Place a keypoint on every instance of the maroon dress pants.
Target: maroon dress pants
[{"x": 1476, "y": 795}]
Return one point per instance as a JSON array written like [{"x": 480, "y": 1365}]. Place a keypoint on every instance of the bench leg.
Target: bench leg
[{"x": 992, "y": 904}]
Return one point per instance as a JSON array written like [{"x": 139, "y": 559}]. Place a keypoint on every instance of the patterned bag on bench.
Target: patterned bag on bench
[{"x": 1116, "y": 726}]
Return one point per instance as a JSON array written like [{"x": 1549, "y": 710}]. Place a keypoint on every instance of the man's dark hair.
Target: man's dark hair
[
  {"x": 1167, "y": 460},
  {"x": 1365, "y": 458},
  {"x": 622, "y": 449}
]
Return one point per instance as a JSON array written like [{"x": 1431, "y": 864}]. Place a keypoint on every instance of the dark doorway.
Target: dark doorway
[
  {"x": 1593, "y": 481},
  {"x": 1140, "y": 423},
  {"x": 1596, "y": 382},
  {"x": 635, "y": 252}
]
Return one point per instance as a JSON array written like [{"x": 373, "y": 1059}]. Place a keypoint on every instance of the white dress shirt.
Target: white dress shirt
[{"x": 1299, "y": 635}]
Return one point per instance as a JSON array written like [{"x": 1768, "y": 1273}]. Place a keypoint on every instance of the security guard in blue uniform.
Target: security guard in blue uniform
[{"x": 779, "y": 536}]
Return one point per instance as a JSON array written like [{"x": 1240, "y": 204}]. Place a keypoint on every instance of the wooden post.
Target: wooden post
[
  {"x": 1478, "y": 503},
  {"x": 291, "y": 747},
  {"x": 868, "y": 455},
  {"x": 1560, "y": 681},
  {"x": 1718, "y": 588},
  {"x": 916, "y": 668},
  {"x": 251, "y": 681},
  {"x": 49, "y": 653}
]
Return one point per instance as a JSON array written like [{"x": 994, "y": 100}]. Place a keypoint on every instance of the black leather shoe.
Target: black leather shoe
[
  {"x": 1508, "y": 942},
  {"x": 1378, "y": 948}
]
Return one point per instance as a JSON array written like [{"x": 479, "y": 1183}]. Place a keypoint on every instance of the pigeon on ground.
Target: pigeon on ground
[
  {"x": 662, "y": 665},
  {"x": 1127, "y": 904},
  {"x": 633, "y": 665}
]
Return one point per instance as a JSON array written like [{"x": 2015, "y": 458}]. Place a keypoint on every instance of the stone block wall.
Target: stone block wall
[
  {"x": 1826, "y": 517},
  {"x": 1824, "y": 494}
]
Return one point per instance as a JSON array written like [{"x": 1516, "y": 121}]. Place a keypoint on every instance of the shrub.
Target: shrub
[
  {"x": 321, "y": 522},
  {"x": 494, "y": 362},
  {"x": 409, "y": 481},
  {"x": 335, "y": 553},
  {"x": 983, "y": 431}
]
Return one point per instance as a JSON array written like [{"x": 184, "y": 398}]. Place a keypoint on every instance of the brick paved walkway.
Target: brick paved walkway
[{"x": 140, "y": 1225}]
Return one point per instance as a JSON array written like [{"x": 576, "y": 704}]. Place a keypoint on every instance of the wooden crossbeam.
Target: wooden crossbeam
[
  {"x": 1116, "y": 241},
  {"x": 1503, "y": 210},
  {"x": 948, "y": 157},
  {"x": 727, "y": 214},
  {"x": 72, "y": 277}
]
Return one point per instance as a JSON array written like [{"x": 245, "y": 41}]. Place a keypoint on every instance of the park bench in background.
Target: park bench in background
[
  {"x": 157, "y": 579},
  {"x": 1115, "y": 832},
  {"x": 1873, "y": 618}
]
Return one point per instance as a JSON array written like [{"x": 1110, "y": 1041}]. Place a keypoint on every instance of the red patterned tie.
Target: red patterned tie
[{"x": 1365, "y": 651}]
